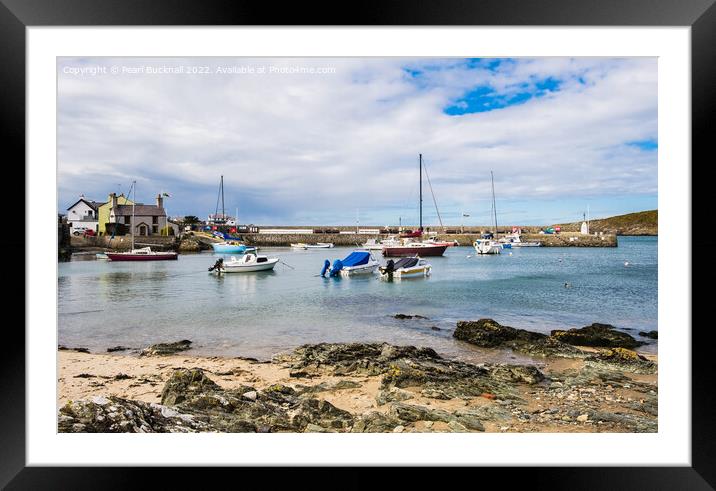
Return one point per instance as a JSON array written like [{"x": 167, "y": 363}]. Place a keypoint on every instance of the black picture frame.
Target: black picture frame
[{"x": 700, "y": 15}]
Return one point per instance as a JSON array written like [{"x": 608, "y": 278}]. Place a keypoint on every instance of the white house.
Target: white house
[{"x": 83, "y": 215}]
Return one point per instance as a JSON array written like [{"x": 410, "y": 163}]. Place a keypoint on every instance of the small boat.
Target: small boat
[
  {"x": 413, "y": 248},
  {"x": 299, "y": 245},
  {"x": 435, "y": 241},
  {"x": 356, "y": 263},
  {"x": 101, "y": 255},
  {"x": 320, "y": 245},
  {"x": 517, "y": 242},
  {"x": 229, "y": 248},
  {"x": 406, "y": 267},
  {"x": 374, "y": 245},
  {"x": 143, "y": 254},
  {"x": 247, "y": 263},
  {"x": 487, "y": 246},
  {"x": 488, "y": 243}
]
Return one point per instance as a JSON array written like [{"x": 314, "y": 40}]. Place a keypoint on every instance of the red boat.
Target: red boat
[
  {"x": 144, "y": 254},
  {"x": 419, "y": 248},
  {"x": 414, "y": 233}
]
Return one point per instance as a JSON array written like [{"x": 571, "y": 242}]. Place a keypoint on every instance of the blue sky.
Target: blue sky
[{"x": 338, "y": 139}]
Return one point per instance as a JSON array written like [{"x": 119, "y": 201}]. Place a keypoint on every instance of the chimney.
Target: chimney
[
  {"x": 160, "y": 201},
  {"x": 113, "y": 200}
]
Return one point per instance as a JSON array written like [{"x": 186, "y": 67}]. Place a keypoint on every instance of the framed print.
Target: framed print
[{"x": 436, "y": 235}]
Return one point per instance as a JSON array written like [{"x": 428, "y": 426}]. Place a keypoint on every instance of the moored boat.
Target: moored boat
[
  {"x": 413, "y": 248},
  {"x": 143, "y": 254},
  {"x": 356, "y": 263},
  {"x": 320, "y": 245},
  {"x": 229, "y": 248},
  {"x": 406, "y": 267},
  {"x": 487, "y": 246},
  {"x": 245, "y": 264}
]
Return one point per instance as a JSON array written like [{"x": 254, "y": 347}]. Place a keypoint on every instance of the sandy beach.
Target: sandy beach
[{"x": 559, "y": 394}]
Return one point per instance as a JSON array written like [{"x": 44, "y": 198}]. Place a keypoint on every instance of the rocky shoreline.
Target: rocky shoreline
[{"x": 600, "y": 385}]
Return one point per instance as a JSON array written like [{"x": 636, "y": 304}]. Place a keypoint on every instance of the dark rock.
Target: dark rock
[
  {"x": 435, "y": 328},
  {"x": 598, "y": 335},
  {"x": 163, "y": 349},
  {"x": 623, "y": 360},
  {"x": 649, "y": 334},
  {"x": 488, "y": 333},
  {"x": 408, "y": 316},
  {"x": 349, "y": 358},
  {"x": 517, "y": 373},
  {"x": 79, "y": 350},
  {"x": 117, "y": 415},
  {"x": 85, "y": 375},
  {"x": 411, "y": 413},
  {"x": 122, "y": 376},
  {"x": 375, "y": 422},
  {"x": 392, "y": 394},
  {"x": 117, "y": 348}
]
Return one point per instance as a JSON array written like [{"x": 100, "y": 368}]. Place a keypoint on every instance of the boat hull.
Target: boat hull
[
  {"x": 358, "y": 270},
  {"x": 143, "y": 257},
  {"x": 229, "y": 248},
  {"x": 414, "y": 272},
  {"x": 249, "y": 268},
  {"x": 437, "y": 250}
]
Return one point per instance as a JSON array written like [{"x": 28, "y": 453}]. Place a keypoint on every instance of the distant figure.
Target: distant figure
[
  {"x": 567, "y": 285},
  {"x": 626, "y": 263}
]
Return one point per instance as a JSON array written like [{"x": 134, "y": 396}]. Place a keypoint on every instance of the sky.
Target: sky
[{"x": 335, "y": 141}]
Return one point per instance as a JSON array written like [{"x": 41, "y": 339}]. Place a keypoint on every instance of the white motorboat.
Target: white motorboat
[
  {"x": 374, "y": 245},
  {"x": 320, "y": 245},
  {"x": 317, "y": 245},
  {"x": 247, "y": 263},
  {"x": 406, "y": 267},
  {"x": 356, "y": 263},
  {"x": 487, "y": 246}
]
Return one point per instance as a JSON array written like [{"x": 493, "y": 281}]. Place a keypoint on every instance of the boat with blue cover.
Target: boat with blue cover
[{"x": 356, "y": 263}]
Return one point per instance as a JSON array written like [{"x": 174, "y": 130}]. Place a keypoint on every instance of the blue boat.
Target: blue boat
[{"x": 227, "y": 248}]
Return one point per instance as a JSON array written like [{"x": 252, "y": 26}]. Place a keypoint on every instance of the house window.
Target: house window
[
  {"x": 155, "y": 219},
  {"x": 127, "y": 219},
  {"x": 155, "y": 229}
]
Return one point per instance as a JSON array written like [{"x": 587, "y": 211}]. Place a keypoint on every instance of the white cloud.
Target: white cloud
[{"x": 297, "y": 146}]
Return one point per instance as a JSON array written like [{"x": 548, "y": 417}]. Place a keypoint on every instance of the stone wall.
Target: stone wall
[{"x": 355, "y": 240}]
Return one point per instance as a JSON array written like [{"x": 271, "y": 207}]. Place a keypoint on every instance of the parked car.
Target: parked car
[
  {"x": 90, "y": 233},
  {"x": 79, "y": 231}
]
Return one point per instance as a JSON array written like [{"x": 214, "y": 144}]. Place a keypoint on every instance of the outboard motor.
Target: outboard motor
[
  {"x": 337, "y": 267},
  {"x": 326, "y": 265},
  {"x": 217, "y": 265},
  {"x": 389, "y": 268}
]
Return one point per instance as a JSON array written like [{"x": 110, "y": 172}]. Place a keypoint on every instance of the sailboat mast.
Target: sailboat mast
[
  {"x": 494, "y": 206},
  {"x": 421, "y": 193},
  {"x": 223, "y": 211},
  {"x": 134, "y": 202}
]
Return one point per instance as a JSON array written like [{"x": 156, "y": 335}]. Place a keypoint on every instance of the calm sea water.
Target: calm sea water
[{"x": 103, "y": 303}]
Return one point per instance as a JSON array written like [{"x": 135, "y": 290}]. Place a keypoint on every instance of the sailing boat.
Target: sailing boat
[
  {"x": 408, "y": 248},
  {"x": 227, "y": 246},
  {"x": 145, "y": 253},
  {"x": 487, "y": 245}
]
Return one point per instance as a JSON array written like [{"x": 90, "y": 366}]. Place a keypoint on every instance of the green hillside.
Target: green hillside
[{"x": 640, "y": 223}]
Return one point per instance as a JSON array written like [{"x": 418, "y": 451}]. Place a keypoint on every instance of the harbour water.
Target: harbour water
[{"x": 104, "y": 304}]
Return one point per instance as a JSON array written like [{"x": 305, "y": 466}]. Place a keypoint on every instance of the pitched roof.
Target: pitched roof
[
  {"x": 139, "y": 210},
  {"x": 92, "y": 204}
]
